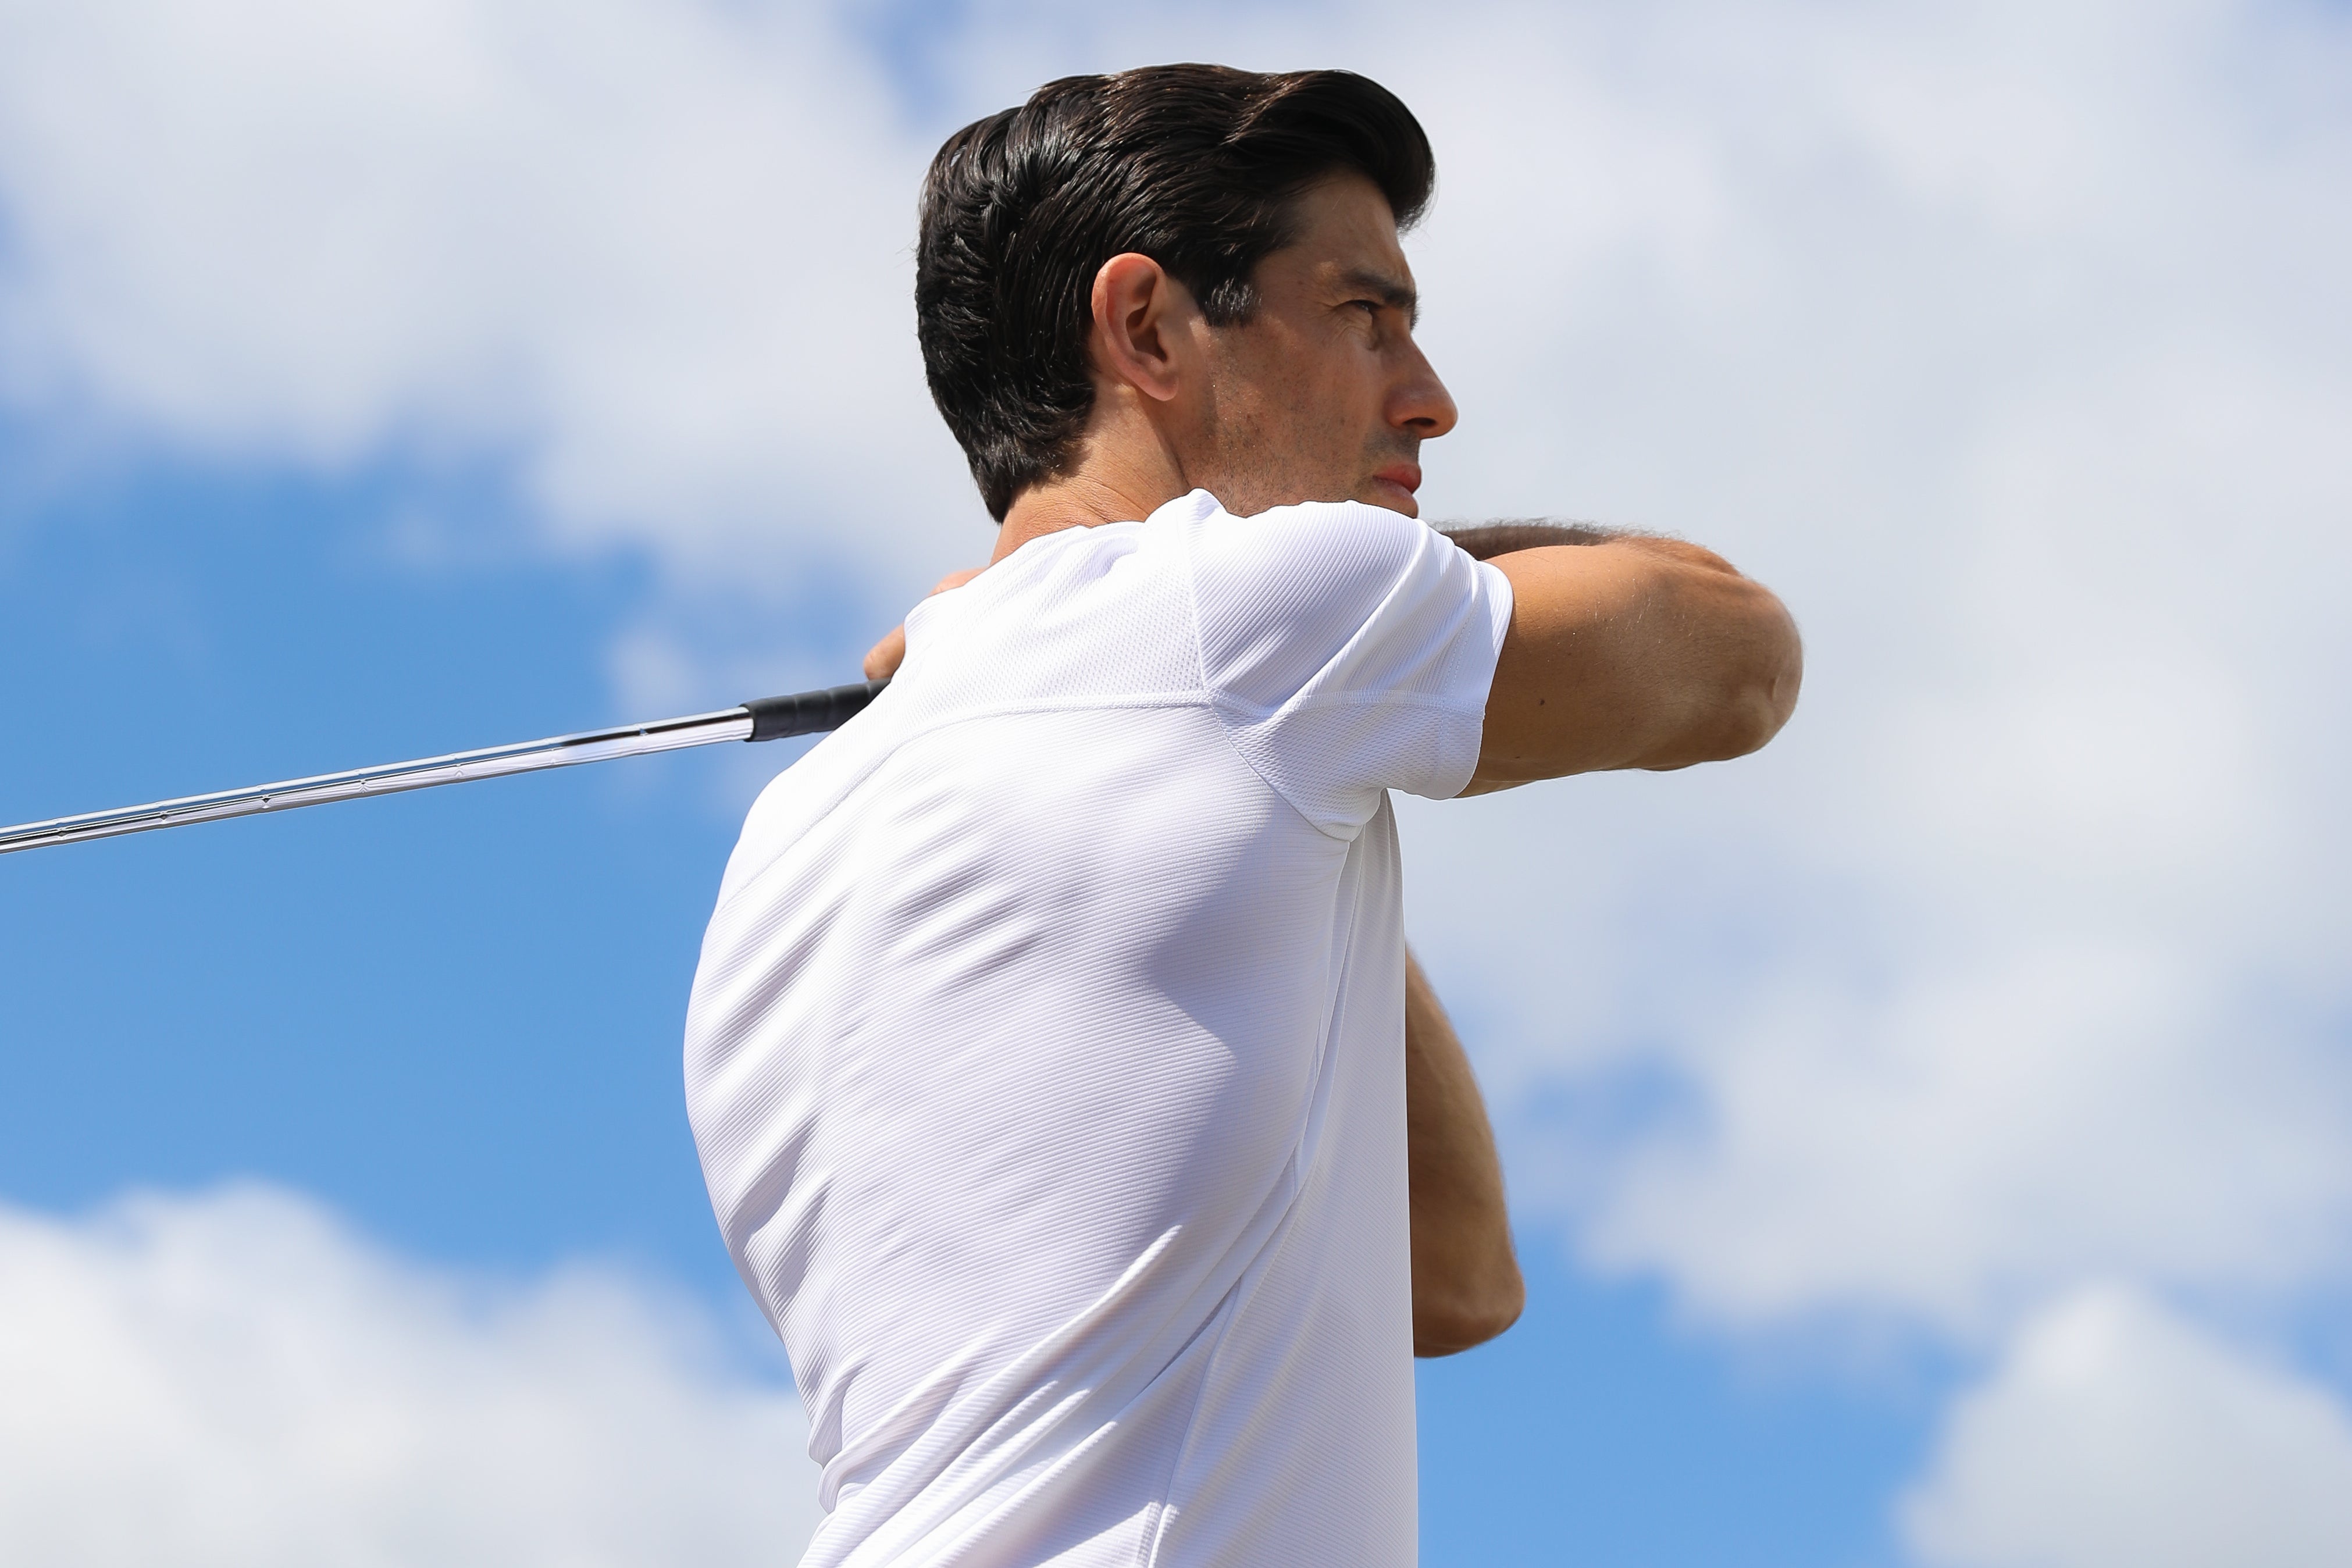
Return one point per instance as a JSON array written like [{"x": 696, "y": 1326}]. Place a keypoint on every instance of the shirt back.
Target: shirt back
[{"x": 1046, "y": 1057}]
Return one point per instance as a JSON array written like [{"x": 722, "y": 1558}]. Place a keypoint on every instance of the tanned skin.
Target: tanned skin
[
  {"x": 1622, "y": 652},
  {"x": 1465, "y": 1282}
]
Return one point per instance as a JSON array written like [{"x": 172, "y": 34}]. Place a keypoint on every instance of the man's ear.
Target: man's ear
[{"x": 1140, "y": 320}]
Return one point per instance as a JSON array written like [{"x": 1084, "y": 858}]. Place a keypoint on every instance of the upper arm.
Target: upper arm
[
  {"x": 1350, "y": 651},
  {"x": 1634, "y": 652}
]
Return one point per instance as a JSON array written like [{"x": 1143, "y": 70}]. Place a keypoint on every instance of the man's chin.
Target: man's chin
[{"x": 1389, "y": 494}]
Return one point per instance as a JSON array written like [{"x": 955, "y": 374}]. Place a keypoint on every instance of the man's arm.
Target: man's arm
[
  {"x": 1466, "y": 1280},
  {"x": 1484, "y": 541},
  {"x": 1623, "y": 652},
  {"x": 1626, "y": 652}
]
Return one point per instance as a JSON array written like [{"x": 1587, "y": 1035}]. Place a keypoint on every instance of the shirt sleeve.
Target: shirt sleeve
[{"x": 1348, "y": 649}]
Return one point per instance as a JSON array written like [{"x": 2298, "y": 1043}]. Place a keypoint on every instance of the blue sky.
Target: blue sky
[{"x": 1929, "y": 1138}]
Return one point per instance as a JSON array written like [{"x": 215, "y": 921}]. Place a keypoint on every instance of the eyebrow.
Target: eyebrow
[{"x": 1395, "y": 295}]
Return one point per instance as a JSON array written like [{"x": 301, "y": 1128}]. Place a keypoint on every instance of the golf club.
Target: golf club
[{"x": 763, "y": 719}]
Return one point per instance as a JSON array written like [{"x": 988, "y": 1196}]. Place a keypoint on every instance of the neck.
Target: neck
[{"x": 1116, "y": 482}]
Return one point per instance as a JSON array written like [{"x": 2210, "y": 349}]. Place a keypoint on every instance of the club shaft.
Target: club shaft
[{"x": 768, "y": 719}]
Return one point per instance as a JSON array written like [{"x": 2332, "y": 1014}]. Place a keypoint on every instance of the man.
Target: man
[{"x": 1065, "y": 1094}]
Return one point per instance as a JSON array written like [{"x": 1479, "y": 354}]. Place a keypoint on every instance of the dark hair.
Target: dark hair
[{"x": 1196, "y": 166}]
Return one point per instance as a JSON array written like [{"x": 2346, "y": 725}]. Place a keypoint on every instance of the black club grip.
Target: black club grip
[{"x": 810, "y": 712}]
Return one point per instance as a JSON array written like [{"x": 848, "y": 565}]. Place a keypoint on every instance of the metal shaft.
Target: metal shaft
[{"x": 765, "y": 719}]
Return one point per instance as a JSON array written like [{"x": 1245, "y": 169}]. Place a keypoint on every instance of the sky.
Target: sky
[{"x": 1930, "y": 1140}]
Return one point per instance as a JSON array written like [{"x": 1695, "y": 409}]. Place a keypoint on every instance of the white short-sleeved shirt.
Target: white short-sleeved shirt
[{"x": 1047, "y": 1055}]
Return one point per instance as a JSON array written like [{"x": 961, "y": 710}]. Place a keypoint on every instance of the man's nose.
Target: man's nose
[{"x": 1420, "y": 406}]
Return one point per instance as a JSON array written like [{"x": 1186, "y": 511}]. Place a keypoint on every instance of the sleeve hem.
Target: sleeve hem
[{"x": 1500, "y": 603}]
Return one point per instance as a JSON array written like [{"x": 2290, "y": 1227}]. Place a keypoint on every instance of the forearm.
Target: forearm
[
  {"x": 1484, "y": 541},
  {"x": 1631, "y": 651},
  {"x": 1466, "y": 1280}
]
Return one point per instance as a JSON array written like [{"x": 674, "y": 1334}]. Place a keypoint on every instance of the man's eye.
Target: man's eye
[{"x": 1369, "y": 307}]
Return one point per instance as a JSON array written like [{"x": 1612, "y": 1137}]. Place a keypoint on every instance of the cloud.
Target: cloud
[
  {"x": 237, "y": 1378},
  {"x": 651, "y": 259},
  {"x": 1952, "y": 1150},
  {"x": 2000, "y": 341},
  {"x": 2115, "y": 1432}
]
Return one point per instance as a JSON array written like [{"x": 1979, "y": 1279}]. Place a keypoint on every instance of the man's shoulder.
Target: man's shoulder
[
  {"x": 1343, "y": 557},
  {"x": 1314, "y": 574},
  {"x": 1340, "y": 527},
  {"x": 1325, "y": 542}
]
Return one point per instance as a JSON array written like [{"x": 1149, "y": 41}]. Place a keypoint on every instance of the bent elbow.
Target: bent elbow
[
  {"x": 1780, "y": 676},
  {"x": 1769, "y": 700},
  {"x": 1464, "y": 1322},
  {"x": 1757, "y": 696}
]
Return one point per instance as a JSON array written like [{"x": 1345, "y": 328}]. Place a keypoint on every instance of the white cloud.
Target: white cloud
[
  {"x": 654, "y": 255},
  {"x": 1951, "y": 1149},
  {"x": 238, "y": 1379},
  {"x": 2005, "y": 343},
  {"x": 2115, "y": 1433}
]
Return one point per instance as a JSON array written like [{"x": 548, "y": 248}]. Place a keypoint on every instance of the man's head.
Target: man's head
[{"x": 1186, "y": 266}]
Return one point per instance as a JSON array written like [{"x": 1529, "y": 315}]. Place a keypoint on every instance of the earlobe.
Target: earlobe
[{"x": 1134, "y": 303}]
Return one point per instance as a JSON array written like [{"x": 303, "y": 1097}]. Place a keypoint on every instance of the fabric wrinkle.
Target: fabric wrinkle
[{"x": 1044, "y": 1056}]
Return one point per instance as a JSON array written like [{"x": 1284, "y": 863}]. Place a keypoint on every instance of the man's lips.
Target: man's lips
[{"x": 1406, "y": 476}]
